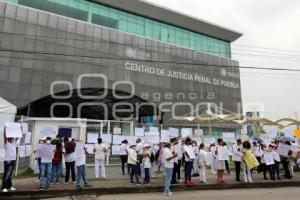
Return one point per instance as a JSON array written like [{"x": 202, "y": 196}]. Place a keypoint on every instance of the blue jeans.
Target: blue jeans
[
  {"x": 81, "y": 174},
  {"x": 9, "y": 167},
  {"x": 168, "y": 178},
  {"x": 45, "y": 175},
  {"x": 188, "y": 166},
  {"x": 56, "y": 172},
  {"x": 147, "y": 175}
]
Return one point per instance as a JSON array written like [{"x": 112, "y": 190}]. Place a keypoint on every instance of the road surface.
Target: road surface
[{"x": 291, "y": 193}]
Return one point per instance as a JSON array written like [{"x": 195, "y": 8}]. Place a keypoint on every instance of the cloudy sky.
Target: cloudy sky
[{"x": 271, "y": 39}]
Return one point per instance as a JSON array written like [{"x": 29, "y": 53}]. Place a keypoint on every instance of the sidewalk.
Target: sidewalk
[{"x": 29, "y": 188}]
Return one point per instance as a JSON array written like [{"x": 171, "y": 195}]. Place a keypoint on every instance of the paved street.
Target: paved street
[{"x": 291, "y": 193}]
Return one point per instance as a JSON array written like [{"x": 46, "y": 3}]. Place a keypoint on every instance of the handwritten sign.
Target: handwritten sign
[
  {"x": 174, "y": 132},
  {"x": 13, "y": 130},
  {"x": 116, "y": 150},
  {"x": 117, "y": 130},
  {"x": 139, "y": 132},
  {"x": 229, "y": 136},
  {"x": 92, "y": 138},
  {"x": 47, "y": 132},
  {"x": 283, "y": 149},
  {"x": 90, "y": 148},
  {"x": 46, "y": 151},
  {"x": 165, "y": 136},
  {"x": 186, "y": 132}
]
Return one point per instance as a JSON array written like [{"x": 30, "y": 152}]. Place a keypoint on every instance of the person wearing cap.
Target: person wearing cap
[
  {"x": 168, "y": 160},
  {"x": 133, "y": 163},
  {"x": 46, "y": 168},
  {"x": 237, "y": 155},
  {"x": 10, "y": 156},
  {"x": 146, "y": 163},
  {"x": 124, "y": 156}
]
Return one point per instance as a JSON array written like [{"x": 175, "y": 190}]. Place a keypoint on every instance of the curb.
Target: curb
[{"x": 131, "y": 190}]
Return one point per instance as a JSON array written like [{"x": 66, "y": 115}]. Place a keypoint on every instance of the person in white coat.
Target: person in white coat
[
  {"x": 202, "y": 163},
  {"x": 100, "y": 152},
  {"x": 237, "y": 155}
]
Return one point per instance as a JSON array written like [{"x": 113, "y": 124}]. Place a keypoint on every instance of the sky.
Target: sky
[{"x": 271, "y": 38}]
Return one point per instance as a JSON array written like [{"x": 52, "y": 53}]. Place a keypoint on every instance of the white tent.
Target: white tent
[{"x": 7, "y": 111}]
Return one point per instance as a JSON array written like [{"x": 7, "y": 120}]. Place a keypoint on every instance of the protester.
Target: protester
[
  {"x": 237, "y": 158},
  {"x": 168, "y": 160},
  {"x": 146, "y": 163},
  {"x": 249, "y": 161},
  {"x": 10, "y": 156},
  {"x": 139, "y": 150},
  {"x": 80, "y": 162},
  {"x": 179, "y": 157},
  {"x": 202, "y": 163},
  {"x": 133, "y": 165},
  {"x": 195, "y": 163},
  {"x": 227, "y": 158},
  {"x": 175, "y": 168},
  {"x": 46, "y": 167},
  {"x": 70, "y": 158},
  {"x": 188, "y": 148},
  {"x": 124, "y": 156},
  {"x": 277, "y": 161},
  {"x": 100, "y": 151},
  {"x": 257, "y": 152},
  {"x": 220, "y": 162},
  {"x": 56, "y": 163},
  {"x": 285, "y": 164}
]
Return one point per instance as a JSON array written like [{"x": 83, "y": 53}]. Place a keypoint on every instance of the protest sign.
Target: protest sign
[
  {"x": 139, "y": 132},
  {"x": 13, "y": 130},
  {"x": 174, "y": 132},
  {"x": 116, "y": 150},
  {"x": 165, "y": 136},
  {"x": 92, "y": 138},
  {"x": 186, "y": 132},
  {"x": 283, "y": 149}
]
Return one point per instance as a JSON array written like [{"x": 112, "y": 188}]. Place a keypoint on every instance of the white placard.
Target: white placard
[
  {"x": 117, "y": 130},
  {"x": 190, "y": 152},
  {"x": 90, "y": 148},
  {"x": 27, "y": 138},
  {"x": 132, "y": 139},
  {"x": 174, "y": 132},
  {"x": 106, "y": 138},
  {"x": 199, "y": 132},
  {"x": 79, "y": 149},
  {"x": 186, "y": 132},
  {"x": 139, "y": 132},
  {"x": 229, "y": 136},
  {"x": 13, "y": 130},
  {"x": 47, "y": 132},
  {"x": 223, "y": 153},
  {"x": 46, "y": 151},
  {"x": 24, "y": 127},
  {"x": 22, "y": 151},
  {"x": 165, "y": 136},
  {"x": 153, "y": 133},
  {"x": 116, "y": 150},
  {"x": 153, "y": 129},
  {"x": 271, "y": 131},
  {"x": 152, "y": 139},
  {"x": 294, "y": 148},
  {"x": 92, "y": 138},
  {"x": 117, "y": 139},
  {"x": 269, "y": 158},
  {"x": 283, "y": 149},
  {"x": 28, "y": 150}
]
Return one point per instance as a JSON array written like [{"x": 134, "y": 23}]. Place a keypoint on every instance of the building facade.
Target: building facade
[{"x": 83, "y": 58}]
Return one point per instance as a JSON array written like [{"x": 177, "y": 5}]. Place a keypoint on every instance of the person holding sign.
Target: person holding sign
[
  {"x": 70, "y": 158},
  {"x": 133, "y": 164},
  {"x": 46, "y": 152},
  {"x": 237, "y": 158},
  {"x": 124, "y": 156},
  {"x": 189, "y": 157},
  {"x": 220, "y": 161},
  {"x": 100, "y": 151},
  {"x": 146, "y": 163},
  {"x": 80, "y": 153},
  {"x": 9, "y": 163},
  {"x": 175, "y": 169},
  {"x": 168, "y": 161},
  {"x": 202, "y": 163},
  {"x": 249, "y": 161}
]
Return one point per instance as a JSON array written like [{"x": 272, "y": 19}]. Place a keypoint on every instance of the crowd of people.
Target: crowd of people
[
  {"x": 139, "y": 160},
  {"x": 187, "y": 155}
]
